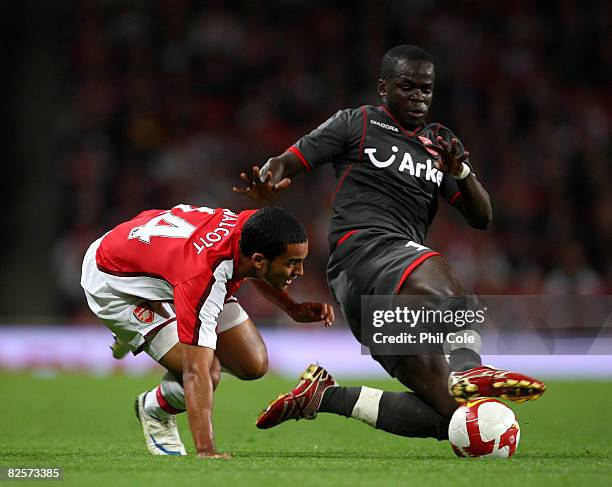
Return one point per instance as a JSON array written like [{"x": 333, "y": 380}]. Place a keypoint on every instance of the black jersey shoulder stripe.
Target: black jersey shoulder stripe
[
  {"x": 361, "y": 144},
  {"x": 346, "y": 171},
  {"x": 346, "y": 236}
]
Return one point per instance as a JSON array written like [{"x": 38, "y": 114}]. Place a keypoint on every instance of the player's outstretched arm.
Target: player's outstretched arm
[
  {"x": 474, "y": 204},
  {"x": 272, "y": 178},
  {"x": 199, "y": 399},
  {"x": 301, "y": 312}
]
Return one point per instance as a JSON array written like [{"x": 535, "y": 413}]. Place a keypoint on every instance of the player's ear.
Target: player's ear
[
  {"x": 258, "y": 260},
  {"x": 382, "y": 87}
]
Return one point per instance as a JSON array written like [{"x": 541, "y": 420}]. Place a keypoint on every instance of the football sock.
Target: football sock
[
  {"x": 405, "y": 414},
  {"x": 152, "y": 406},
  {"x": 400, "y": 413},
  {"x": 166, "y": 399},
  {"x": 172, "y": 392},
  {"x": 339, "y": 400}
]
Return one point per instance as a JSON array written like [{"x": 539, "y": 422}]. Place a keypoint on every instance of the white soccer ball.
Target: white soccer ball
[{"x": 484, "y": 428}]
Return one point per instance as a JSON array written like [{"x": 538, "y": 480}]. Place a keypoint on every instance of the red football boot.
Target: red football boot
[
  {"x": 302, "y": 401},
  {"x": 486, "y": 381}
]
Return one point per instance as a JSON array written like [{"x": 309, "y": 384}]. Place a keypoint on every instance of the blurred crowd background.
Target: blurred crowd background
[{"x": 154, "y": 103}]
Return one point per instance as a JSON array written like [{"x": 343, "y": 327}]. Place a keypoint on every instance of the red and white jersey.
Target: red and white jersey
[{"x": 188, "y": 255}]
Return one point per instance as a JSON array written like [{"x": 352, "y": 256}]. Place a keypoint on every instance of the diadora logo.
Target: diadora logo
[
  {"x": 420, "y": 170},
  {"x": 384, "y": 125}
]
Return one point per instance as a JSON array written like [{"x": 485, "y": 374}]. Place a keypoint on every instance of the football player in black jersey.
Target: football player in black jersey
[{"x": 391, "y": 164}]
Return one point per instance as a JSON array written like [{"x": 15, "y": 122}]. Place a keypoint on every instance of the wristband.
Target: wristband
[{"x": 465, "y": 171}]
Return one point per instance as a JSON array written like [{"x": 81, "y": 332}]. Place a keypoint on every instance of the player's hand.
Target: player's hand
[
  {"x": 310, "y": 312},
  {"x": 449, "y": 160},
  {"x": 214, "y": 455},
  {"x": 260, "y": 186}
]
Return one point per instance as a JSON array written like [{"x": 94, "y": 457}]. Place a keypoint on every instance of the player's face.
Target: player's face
[
  {"x": 282, "y": 270},
  {"x": 408, "y": 95}
]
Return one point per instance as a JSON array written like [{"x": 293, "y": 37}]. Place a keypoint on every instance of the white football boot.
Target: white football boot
[{"x": 161, "y": 437}]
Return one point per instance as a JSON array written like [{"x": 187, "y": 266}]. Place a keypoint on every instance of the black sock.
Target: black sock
[
  {"x": 339, "y": 400},
  {"x": 405, "y": 414},
  {"x": 400, "y": 413},
  {"x": 463, "y": 359}
]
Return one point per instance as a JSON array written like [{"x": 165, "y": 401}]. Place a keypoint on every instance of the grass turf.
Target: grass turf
[{"x": 86, "y": 425}]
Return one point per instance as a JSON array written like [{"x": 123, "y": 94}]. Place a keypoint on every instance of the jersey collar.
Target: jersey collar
[{"x": 407, "y": 133}]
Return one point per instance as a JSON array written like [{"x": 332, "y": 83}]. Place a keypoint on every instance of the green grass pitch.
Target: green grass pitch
[{"x": 86, "y": 425}]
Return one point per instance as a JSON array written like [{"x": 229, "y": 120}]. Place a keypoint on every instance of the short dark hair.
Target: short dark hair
[
  {"x": 391, "y": 59},
  {"x": 269, "y": 231}
]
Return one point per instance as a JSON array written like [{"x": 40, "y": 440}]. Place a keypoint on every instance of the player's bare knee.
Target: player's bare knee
[
  {"x": 252, "y": 368},
  {"x": 257, "y": 367},
  {"x": 434, "y": 277},
  {"x": 441, "y": 288}
]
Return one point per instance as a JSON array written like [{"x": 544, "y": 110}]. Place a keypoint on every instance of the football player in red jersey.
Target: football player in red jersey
[
  {"x": 164, "y": 281},
  {"x": 392, "y": 166}
]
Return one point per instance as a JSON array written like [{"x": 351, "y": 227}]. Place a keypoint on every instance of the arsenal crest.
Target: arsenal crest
[{"x": 144, "y": 313}]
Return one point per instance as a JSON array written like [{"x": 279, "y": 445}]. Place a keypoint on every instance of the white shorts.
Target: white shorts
[{"x": 142, "y": 325}]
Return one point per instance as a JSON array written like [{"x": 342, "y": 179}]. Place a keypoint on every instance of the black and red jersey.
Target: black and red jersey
[{"x": 386, "y": 175}]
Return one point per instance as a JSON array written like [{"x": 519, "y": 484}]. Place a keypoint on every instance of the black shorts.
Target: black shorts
[{"x": 370, "y": 262}]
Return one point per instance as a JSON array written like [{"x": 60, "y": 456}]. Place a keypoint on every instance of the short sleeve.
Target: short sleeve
[
  {"x": 328, "y": 141},
  {"x": 199, "y": 303}
]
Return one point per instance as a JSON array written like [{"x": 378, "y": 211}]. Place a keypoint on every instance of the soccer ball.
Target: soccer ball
[{"x": 484, "y": 428}]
